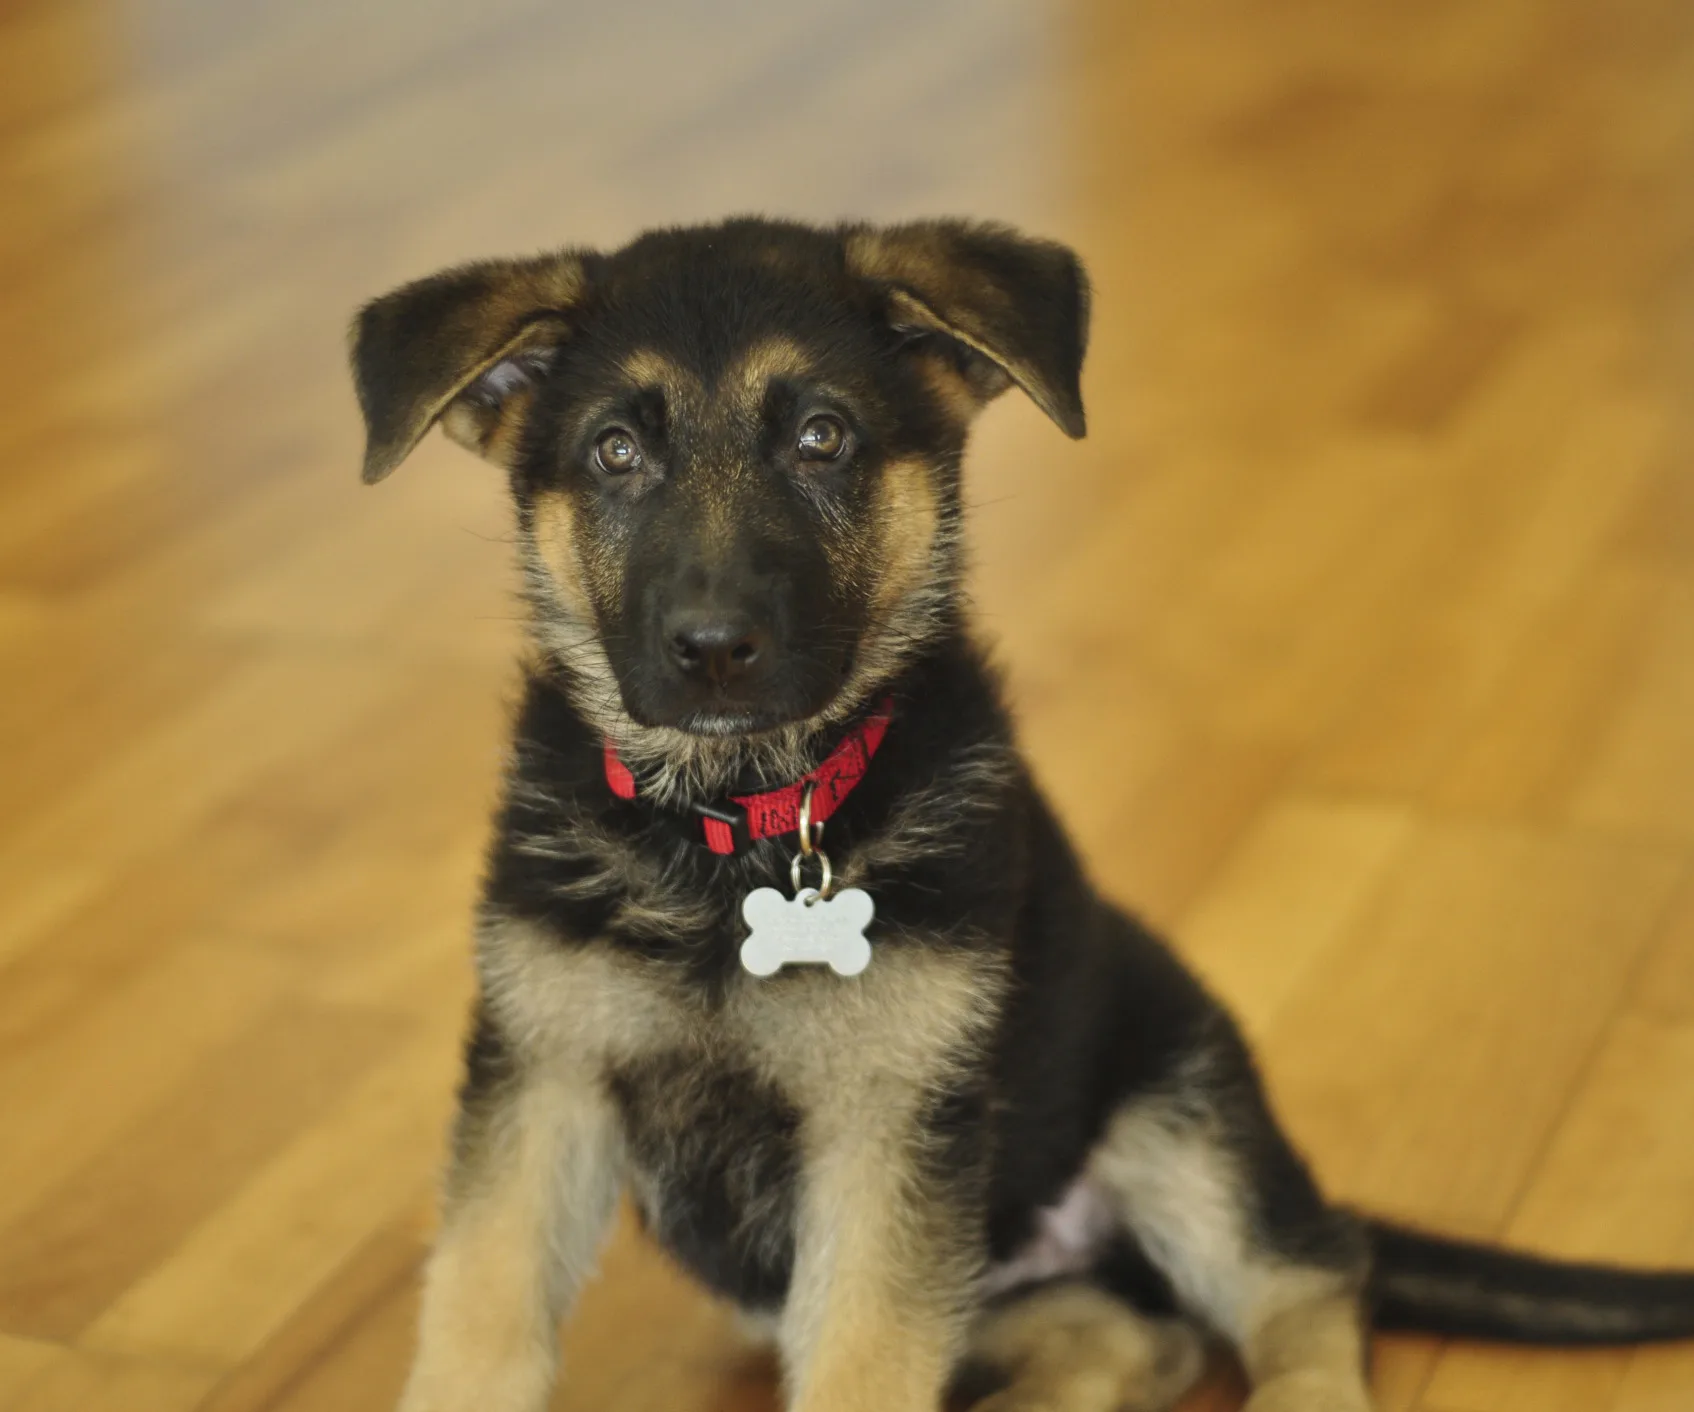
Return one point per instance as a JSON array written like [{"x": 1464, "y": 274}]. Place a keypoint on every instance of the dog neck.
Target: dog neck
[{"x": 678, "y": 769}]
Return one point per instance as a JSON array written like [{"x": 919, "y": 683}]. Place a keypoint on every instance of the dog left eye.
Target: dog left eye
[{"x": 822, "y": 439}]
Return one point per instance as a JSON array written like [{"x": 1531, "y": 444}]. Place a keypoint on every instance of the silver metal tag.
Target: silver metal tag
[{"x": 808, "y": 929}]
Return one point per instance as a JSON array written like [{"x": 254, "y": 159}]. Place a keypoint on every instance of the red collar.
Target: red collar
[{"x": 730, "y": 826}]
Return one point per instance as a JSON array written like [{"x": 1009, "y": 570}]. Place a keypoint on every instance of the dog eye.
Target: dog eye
[
  {"x": 822, "y": 439},
  {"x": 617, "y": 452}
]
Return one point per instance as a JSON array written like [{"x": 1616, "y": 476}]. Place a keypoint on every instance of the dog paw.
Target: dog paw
[{"x": 1178, "y": 1359}]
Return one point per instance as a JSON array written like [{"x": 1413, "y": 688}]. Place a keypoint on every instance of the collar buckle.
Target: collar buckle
[{"x": 724, "y": 824}]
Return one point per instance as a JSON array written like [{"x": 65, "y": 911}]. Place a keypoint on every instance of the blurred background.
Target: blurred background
[{"x": 1356, "y": 642}]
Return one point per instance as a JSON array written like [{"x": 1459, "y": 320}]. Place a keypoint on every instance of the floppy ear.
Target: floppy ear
[
  {"x": 1020, "y": 303},
  {"x": 464, "y": 347}
]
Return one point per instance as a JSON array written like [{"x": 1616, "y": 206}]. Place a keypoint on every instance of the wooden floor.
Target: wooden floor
[{"x": 1357, "y": 642}]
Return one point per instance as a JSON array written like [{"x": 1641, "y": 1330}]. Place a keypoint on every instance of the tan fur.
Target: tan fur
[
  {"x": 584, "y": 1006},
  {"x": 1299, "y": 1327},
  {"x": 1073, "y": 1347},
  {"x": 491, "y": 431},
  {"x": 535, "y": 1182},
  {"x": 522, "y": 288},
  {"x": 952, "y": 390},
  {"x": 555, "y": 544},
  {"x": 1185, "y": 1200},
  {"x": 1308, "y": 1356},
  {"x": 591, "y": 1006},
  {"x": 930, "y": 289},
  {"x": 851, "y": 1051},
  {"x": 562, "y": 638},
  {"x": 882, "y": 1281},
  {"x": 875, "y": 1316},
  {"x": 559, "y": 565},
  {"x": 751, "y": 373},
  {"x": 914, "y": 557},
  {"x": 908, "y": 514},
  {"x": 676, "y": 765},
  {"x": 524, "y": 1219},
  {"x": 917, "y": 258},
  {"x": 648, "y": 368}
]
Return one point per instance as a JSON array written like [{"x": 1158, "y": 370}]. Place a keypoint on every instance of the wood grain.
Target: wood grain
[{"x": 1356, "y": 642}]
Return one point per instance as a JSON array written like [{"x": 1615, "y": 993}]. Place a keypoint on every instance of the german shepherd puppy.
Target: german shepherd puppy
[{"x": 1022, "y": 1139}]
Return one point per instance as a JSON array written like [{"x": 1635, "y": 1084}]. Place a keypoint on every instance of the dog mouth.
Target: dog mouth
[
  {"x": 725, "y": 722},
  {"x": 808, "y": 691},
  {"x": 720, "y": 720}
]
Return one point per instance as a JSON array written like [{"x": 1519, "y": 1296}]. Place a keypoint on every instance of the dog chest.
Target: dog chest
[{"x": 715, "y": 1159}]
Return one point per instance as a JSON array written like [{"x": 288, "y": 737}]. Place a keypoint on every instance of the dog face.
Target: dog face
[{"x": 734, "y": 449}]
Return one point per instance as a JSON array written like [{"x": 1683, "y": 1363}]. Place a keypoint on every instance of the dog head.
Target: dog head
[{"x": 734, "y": 449}]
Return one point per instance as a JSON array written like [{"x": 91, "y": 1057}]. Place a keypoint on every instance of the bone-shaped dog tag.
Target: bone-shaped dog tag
[{"x": 810, "y": 928}]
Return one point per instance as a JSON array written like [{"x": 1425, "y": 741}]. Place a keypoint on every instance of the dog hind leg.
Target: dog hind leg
[{"x": 1224, "y": 1208}]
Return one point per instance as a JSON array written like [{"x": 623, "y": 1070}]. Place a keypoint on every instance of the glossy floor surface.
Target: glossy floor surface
[{"x": 1356, "y": 642}]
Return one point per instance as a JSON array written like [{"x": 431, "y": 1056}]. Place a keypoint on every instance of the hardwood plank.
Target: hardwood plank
[
  {"x": 1514, "y": 949},
  {"x": 1665, "y": 987},
  {"x": 105, "y": 1225},
  {"x": 234, "y": 1281},
  {"x": 122, "y": 1050},
  {"x": 1642, "y": 770},
  {"x": 354, "y": 1330},
  {"x": 69, "y": 1381},
  {"x": 1289, "y": 894}
]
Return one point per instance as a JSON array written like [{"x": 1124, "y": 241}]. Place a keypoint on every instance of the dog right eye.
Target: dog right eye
[{"x": 617, "y": 452}]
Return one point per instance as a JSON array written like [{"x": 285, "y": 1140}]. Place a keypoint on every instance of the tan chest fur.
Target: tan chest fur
[{"x": 913, "y": 1020}]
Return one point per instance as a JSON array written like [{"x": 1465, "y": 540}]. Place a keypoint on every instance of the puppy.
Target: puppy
[{"x": 944, "y": 1109}]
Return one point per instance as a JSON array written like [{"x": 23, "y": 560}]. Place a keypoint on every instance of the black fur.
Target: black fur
[
  {"x": 1440, "y": 1285},
  {"x": 718, "y": 1195}
]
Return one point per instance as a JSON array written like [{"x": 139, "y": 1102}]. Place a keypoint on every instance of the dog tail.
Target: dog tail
[{"x": 1436, "y": 1285}]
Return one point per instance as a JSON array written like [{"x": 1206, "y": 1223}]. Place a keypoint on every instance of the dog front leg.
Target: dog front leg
[
  {"x": 886, "y": 1259},
  {"x": 531, "y": 1189}
]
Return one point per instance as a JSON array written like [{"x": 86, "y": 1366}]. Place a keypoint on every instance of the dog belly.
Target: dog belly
[{"x": 716, "y": 1161}]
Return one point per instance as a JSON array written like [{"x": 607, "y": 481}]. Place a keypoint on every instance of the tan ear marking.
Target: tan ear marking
[{"x": 1018, "y": 302}]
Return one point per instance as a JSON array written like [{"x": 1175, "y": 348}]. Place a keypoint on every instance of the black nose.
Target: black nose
[{"x": 714, "y": 646}]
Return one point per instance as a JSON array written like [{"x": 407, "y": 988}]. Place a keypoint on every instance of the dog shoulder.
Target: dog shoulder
[{"x": 579, "y": 1002}]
